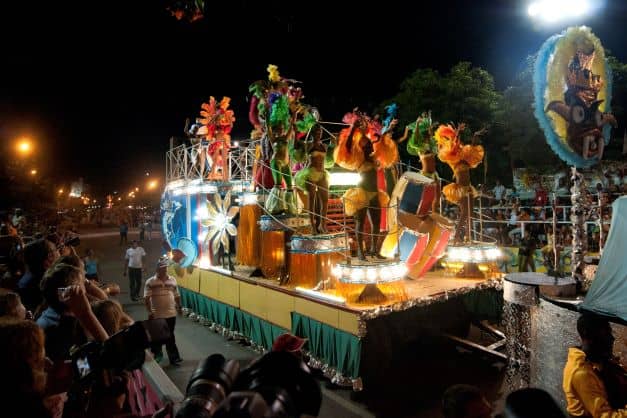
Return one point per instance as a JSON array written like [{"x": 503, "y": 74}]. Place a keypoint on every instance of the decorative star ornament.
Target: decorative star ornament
[{"x": 220, "y": 214}]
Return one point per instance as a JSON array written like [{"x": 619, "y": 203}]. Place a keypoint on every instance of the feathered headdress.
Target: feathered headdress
[{"x": 452, "y": 151}]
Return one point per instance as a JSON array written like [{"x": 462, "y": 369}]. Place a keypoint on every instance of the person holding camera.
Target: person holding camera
[
  {"x": 162, "y": 299},
  {"x": 64, "y": 292},
  {"x": 134, "y": 266}
]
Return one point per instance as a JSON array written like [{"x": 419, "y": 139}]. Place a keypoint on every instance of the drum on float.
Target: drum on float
[
  {"x": 312, "y": 258},
  {"x": 272, "y": 258},
  {"x": 249, "y": 236},
  {"x": 440, "y": 231},
  {"x": 410, "y": 203}
]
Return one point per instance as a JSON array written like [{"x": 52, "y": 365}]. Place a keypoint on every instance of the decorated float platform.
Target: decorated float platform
[
  {"x": 345, "y": 339},
  {"x": 328, "y": 236}
]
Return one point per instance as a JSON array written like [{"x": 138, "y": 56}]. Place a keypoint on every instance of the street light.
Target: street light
[
  {"x": 24, "y": 146},
  {"x": 551, "y": 11},
  {"x": 33, "y": 172},
  {"x": 152, "y": 184}
]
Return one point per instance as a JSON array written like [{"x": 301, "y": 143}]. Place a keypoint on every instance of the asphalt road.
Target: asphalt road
[{"x": 194, "y": 341}]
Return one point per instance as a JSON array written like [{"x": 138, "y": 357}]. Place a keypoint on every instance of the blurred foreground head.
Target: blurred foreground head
[
  {"x": 531, "y": 403},
  {"x": 465, "y": 401}
]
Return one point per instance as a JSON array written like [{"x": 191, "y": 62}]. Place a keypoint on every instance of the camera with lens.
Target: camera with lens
[
  {"x": 277, "y": 385},
  {"x": 124, "y": 350},
  {"x": 74, "y": 241}
]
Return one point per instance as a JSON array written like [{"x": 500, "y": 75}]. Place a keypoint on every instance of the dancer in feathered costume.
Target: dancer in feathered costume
[
  {"x": 422, "y": 143},
  {"x": 355, "y": 151},
  {"x": 216, "y": 122},
  {"x": 461, "y": 158},
  {"x": 278, "y": 118},
  {"x": 386, "y": 148}
]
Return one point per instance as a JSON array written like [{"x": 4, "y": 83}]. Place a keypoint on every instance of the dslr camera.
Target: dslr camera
[
  {"x": 277, "y": 385},
  {"x": 124, "y": 350}
]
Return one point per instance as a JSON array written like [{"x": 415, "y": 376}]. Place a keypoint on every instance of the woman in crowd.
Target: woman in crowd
[
  {"x": 91, "y": 265},
  {"x": 23, "y": 364},
  {"x": 11, "y": 306}
]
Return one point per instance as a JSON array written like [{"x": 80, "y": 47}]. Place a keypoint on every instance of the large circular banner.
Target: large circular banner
[{"x": 572, "y": 93}]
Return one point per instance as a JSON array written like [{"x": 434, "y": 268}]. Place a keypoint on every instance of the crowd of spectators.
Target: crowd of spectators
[{"x": 52, "y": 301}]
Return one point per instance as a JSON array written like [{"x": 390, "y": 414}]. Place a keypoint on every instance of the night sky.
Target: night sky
[{"x": 101, "y": 86}]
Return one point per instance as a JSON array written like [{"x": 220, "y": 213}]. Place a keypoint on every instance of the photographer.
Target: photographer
[
  {"x": 63, "y": 290},
  {"x": 140, "y": 398},
  {"x": 94, "y": 292}
]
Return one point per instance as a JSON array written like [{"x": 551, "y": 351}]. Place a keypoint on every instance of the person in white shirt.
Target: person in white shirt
[
  {"x": 499, "y": 191},
  {"x": 134, "y": 266},
  {"x": 162, "y": 299},
  {"x": 513, "y": 223}
]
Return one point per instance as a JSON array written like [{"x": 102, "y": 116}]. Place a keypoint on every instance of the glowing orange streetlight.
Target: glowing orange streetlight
[
  {"x": 60, "y": 191},
  {"x": 24, "y": 146},
  {"x": 136, "y": 189},
  {"x": 152, "y": 184},
  {"x": 33, "y": 172}
]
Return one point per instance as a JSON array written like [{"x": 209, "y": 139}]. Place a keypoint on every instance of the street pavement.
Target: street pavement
[{"x": 195, "y": 342}]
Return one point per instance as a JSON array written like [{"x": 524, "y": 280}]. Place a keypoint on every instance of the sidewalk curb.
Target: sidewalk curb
[{"x": 160, "y": 382}]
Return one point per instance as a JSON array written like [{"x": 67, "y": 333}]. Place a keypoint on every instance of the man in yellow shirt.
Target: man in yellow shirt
[{"x": 591, "y": 375}]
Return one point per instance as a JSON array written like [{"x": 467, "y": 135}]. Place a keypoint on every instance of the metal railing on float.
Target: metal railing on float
[{"x": 188, "y": 162}]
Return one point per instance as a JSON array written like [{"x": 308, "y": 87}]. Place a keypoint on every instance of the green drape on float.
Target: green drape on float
[
  {"x": 256, "y": 329},
  {"x": 335, "y": 347}
]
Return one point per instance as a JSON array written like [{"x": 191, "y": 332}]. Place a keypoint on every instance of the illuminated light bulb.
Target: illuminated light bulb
[
  {"x": 204, "y": 263},
  {"x": 464, "y": 255},
  {"x": 357, "y": 274},
  {"x": 249, "y": 199},
  {"x": 386, "y": 273},
  {"x": 344, "y": 179},
  {"x": 493, "y": 253},
  {"x": 202, "y": 212},
  {"x": 221, "y": 220},
  {"x": 321, "y": 296},
  {"x": 453, "y": 253}
]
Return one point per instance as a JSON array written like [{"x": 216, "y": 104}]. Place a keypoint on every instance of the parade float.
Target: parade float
[
  {"x": 294, "y": 230},
  {"x": 572, "y": 89}
]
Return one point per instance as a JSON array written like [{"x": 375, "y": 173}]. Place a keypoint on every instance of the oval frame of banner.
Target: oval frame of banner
[{"x": 549, "y": 85}]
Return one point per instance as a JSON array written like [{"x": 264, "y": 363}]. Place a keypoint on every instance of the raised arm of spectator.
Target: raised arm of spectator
[
  {"x": 79, "y": 306},
  {"x": 95, "y": 292}
]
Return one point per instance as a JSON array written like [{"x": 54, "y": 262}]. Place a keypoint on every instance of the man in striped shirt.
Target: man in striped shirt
[{"x": 163, "y": 301}]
